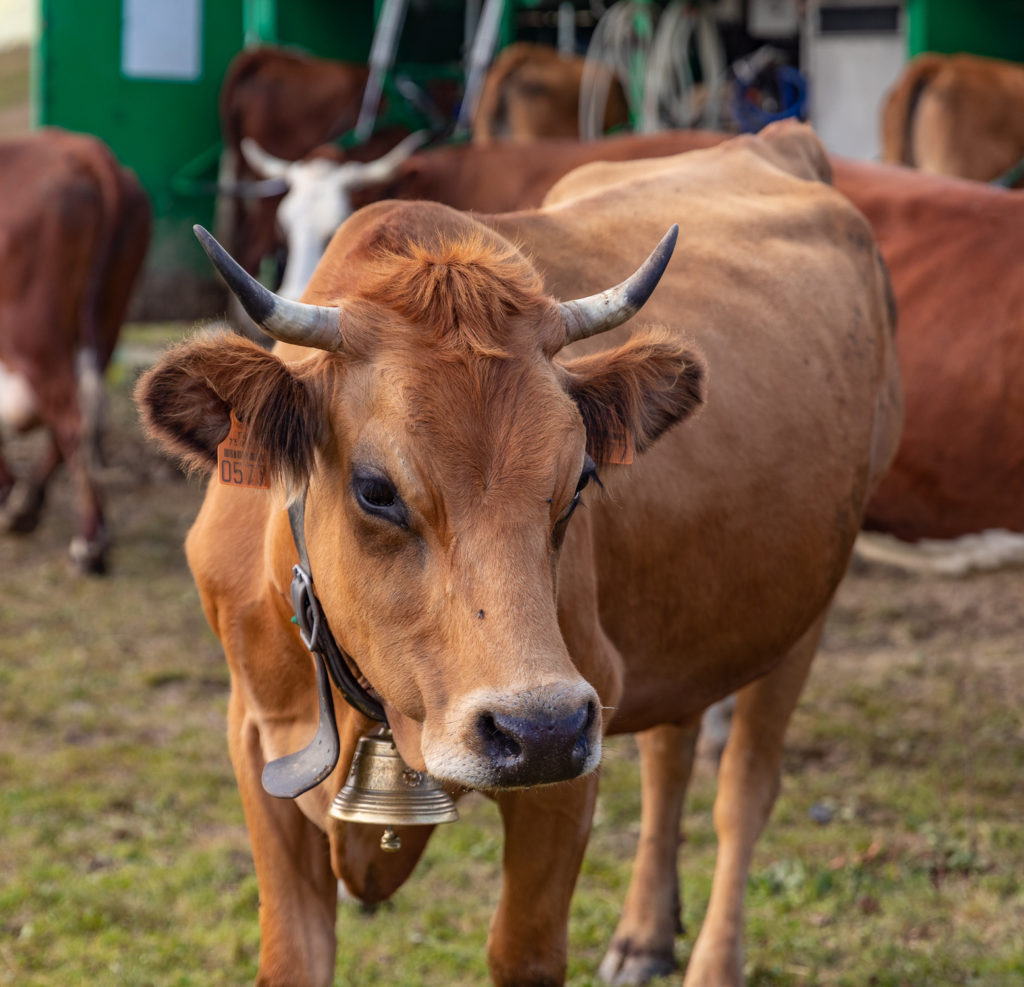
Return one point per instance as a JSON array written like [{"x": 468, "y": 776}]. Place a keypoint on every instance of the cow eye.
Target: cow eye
[
  {"x": 589, "y": 473},
  {"x": 376, "y": 495}
]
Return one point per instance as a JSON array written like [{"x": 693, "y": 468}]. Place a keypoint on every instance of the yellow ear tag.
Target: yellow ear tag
[
  {"x": 620, "y": 448},
  {"x": 237, "y": 465}
]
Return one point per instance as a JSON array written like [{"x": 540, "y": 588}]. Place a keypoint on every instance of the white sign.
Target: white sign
[{"x": 162, "y": 39}]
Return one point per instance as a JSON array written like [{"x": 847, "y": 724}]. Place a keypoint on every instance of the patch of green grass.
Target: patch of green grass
[{"x": 14, "y": 76}]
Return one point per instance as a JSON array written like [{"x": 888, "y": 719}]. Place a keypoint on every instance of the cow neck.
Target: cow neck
[{"x": 313, "y": 627}]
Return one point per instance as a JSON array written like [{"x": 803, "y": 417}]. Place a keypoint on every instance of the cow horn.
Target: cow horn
[
  {"x": 597, "y": 313},
  {"x": 290, "y": 322},
  {"x": 263, "y": 161},
  {"x": 386, "y": 167}
]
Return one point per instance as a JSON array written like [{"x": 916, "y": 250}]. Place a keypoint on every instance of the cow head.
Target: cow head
[
  {"x": 317, "y": 200},
  {"x": 444, "y": 445}
]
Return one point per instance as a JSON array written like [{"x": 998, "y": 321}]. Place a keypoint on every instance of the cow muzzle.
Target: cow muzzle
[{"x": 535, "y": 737}]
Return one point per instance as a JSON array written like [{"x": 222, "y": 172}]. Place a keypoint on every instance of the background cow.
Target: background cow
[
  {"x": 324, "y": 189},
  {"x": 74, "y": 228},
  {"x": 533, "y": 91},
  {"x": 956, "y": 115},
  {"x": 443, "y": 440},
  {"x": 951, "y": 248},
  {"x": 289, "y": 103}
]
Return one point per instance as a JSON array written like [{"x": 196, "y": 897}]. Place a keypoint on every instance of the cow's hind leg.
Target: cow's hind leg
[
  {"x": 23, "y": 507},
  {"x": 298, "y": 889},
  {"x": 644, "y": 941},
  {"x": 6, "y": 479},
  {"x": 546, "y": 833},
  {"x": 748, "y": 782}
]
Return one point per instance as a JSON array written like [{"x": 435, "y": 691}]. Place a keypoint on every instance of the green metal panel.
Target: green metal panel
[
  {"x": 994, "y": 28},
  {"x": 155, "y": 126},
  {"x": 167, "y": 129}
]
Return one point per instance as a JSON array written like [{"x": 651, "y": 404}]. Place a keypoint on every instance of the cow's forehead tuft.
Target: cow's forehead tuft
[{"x": 470, "y": 294}]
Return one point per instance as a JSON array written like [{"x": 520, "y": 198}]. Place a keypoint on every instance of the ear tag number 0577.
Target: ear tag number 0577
[{"x": 239, "y": 465}]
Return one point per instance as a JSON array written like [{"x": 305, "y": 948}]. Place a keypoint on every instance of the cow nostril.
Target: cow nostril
[
  {"x": 581, "y": 749},
  {"x": 539, "y": 749},
  {"x": 498, "y": 744}
]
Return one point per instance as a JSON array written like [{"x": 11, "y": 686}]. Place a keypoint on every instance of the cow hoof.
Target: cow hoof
[
  {"x": 22, "y": 509},
  {"x": 623, "y": 965},
  {"x": 88, "y": 559}
]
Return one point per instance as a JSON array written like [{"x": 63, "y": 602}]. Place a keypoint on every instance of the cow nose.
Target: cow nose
[{"x": 538, "y": 750}]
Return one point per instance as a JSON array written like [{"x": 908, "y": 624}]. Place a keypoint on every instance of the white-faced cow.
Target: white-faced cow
[
  {"x": 325, "y": 189},
  {"x": 290, "y": 103},
  {"x": 74, "y": 228},
  {"x": 438, "y": 417}
]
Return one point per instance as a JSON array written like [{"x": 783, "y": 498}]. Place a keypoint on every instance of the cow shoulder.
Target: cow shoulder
[
  {"x": 795, "y": 148},
  {"x": 789, "y": 147}
]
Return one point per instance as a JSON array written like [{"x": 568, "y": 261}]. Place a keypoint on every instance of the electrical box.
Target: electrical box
[{"x": 852, "y": 52}]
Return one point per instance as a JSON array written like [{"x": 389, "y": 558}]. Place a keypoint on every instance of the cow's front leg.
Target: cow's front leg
[
  {"x": 298, "y": 889},
  {"x": 748, "y": 782},
  {"x": 546, "y": 833},
  {"x": 643, "y": 946}
]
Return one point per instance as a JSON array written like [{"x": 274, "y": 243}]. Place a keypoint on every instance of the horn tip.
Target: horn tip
[
  {"x": 668, "y": 241},
  {"x": 203, "y": 235}
]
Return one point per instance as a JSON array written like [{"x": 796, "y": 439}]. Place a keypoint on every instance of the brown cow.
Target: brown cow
[
  {"x": 533, "y": 91},
  {"x": 74, "y": 228},
  {"x": 956, "y": 115},
  {"x": 950, "y": 246},
  {"x": 436, "y": 415}
]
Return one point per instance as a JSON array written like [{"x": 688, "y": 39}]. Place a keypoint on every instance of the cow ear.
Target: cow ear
[
  {"x": 630, "y": 395},
  {"x": 185, "y": 402}
]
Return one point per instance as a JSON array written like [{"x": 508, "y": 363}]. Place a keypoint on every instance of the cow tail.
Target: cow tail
[
  {"x": 92, "y": 402},
  {"x": 92, "y": 358},
  {"x": 491, "y": 119},
  {"x": 900, "y": 107}
]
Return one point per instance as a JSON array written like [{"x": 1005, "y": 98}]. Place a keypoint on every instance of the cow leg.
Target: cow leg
[
  {"x": 546, "y": 833},
  {"x": 7, "y": 479},
  {"x": 298, "y": 889},
  {"x": 24, "y": 505},
  {"x": 748, "y": 782},
  {"x": 6, "y": 476},
  {"x": 644, "y": 941},
  {"x": 714, "y": 732},
  {"x": 88, "y": 549}
]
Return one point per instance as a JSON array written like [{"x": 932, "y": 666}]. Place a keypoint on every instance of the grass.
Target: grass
[
  {"x": 124, "y": 859},
  {"x": 14, "y": 90}
]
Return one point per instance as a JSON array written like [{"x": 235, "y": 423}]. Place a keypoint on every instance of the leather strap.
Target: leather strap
[{"x": 314, "y": 629}]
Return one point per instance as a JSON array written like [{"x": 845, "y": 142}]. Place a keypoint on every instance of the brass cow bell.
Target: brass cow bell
[{"x": 382, "y": 788}]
